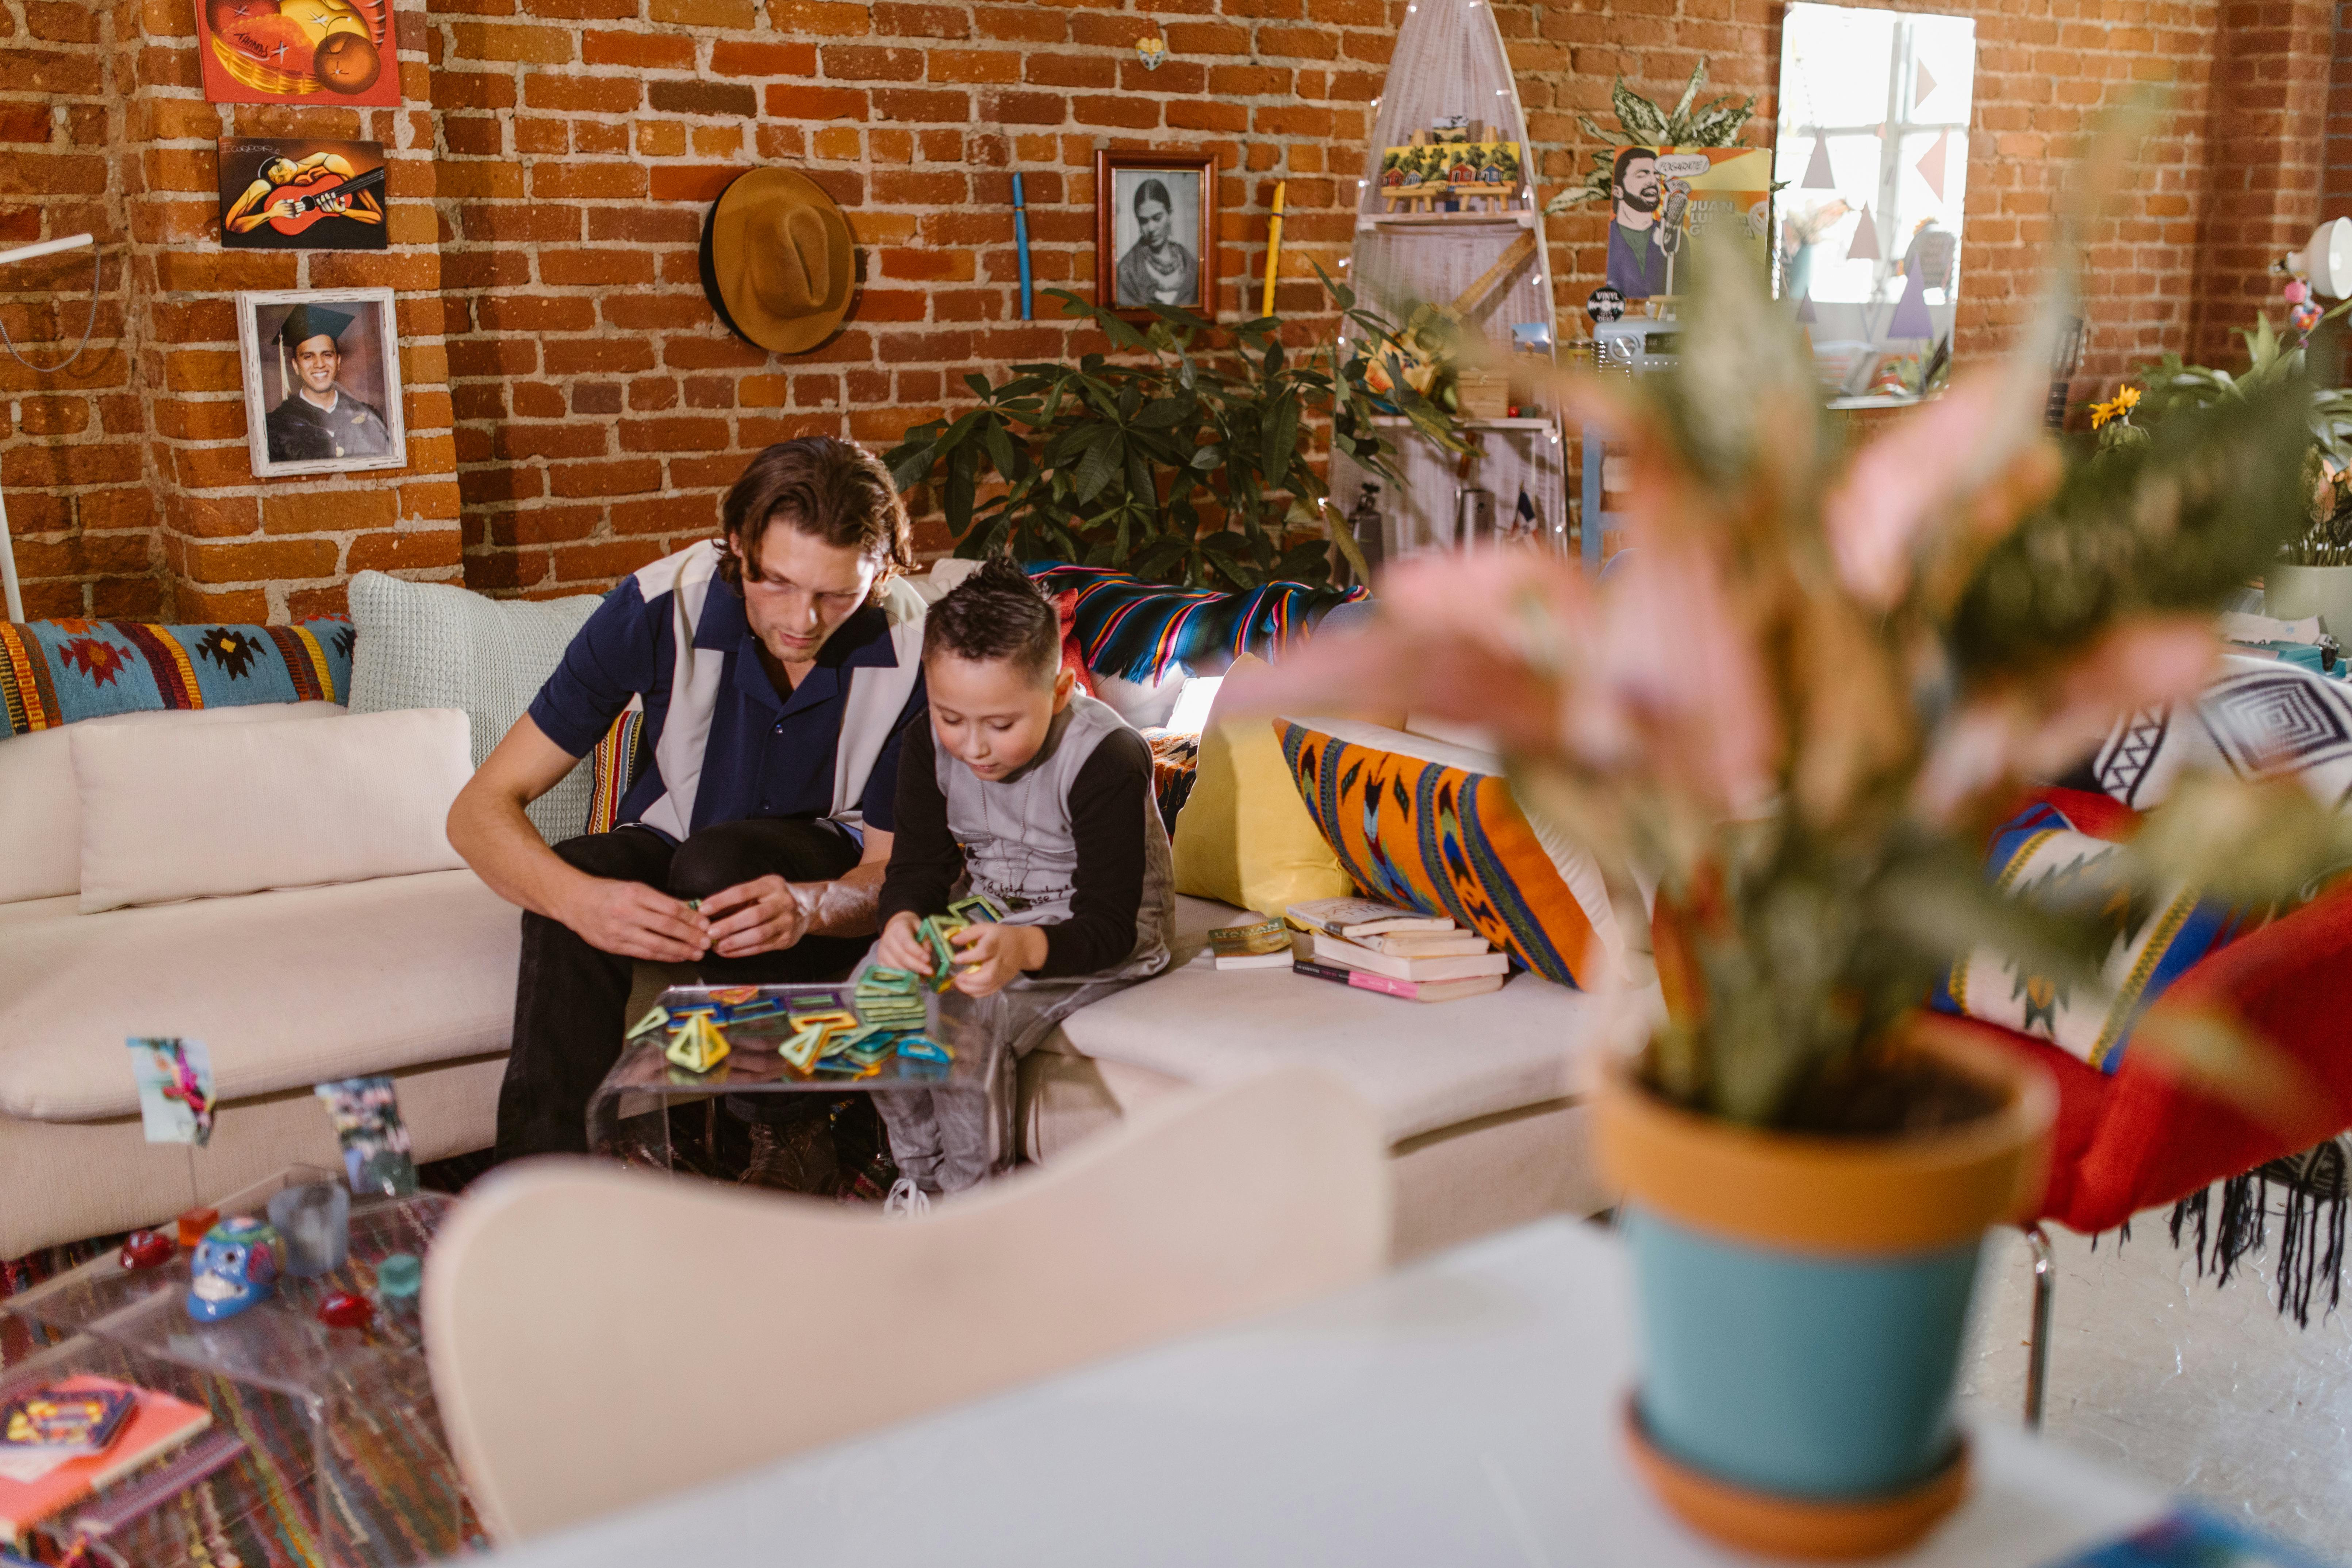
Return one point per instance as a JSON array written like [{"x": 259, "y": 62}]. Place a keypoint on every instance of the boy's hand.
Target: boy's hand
[
  {"x": 990, "y": 957},
  {"x": 900, "y": 948}
]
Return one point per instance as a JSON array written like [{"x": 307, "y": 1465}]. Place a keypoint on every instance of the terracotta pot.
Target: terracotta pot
[{"x": 1802, "y": 1301}]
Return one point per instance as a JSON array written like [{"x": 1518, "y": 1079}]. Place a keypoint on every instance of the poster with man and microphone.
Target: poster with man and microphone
[{"x": 1660, "y": 198}]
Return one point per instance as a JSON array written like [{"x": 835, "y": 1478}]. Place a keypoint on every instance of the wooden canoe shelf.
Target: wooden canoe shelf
[
  {"x": 1522, "y": 217},
  {"x": 1489, "y": 263}
]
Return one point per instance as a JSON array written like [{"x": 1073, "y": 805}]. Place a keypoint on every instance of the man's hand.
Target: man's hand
[
  {"x": 900, "y": 948},
  {"x": 635, "y": 922},
  {"x": 990, "y": 957},
  {"x": 767, "y": 914}
]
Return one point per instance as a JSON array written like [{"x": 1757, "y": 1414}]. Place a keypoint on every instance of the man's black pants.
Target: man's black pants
[{"x": 569, "y": 996}]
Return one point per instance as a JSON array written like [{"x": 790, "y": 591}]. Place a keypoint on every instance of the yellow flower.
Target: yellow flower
[{"x": 2119, "y": 407}]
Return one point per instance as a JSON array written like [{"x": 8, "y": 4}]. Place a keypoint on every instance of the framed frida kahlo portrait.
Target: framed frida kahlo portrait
[
  {"x": 1155, "y": 232},
  {"x": 322, "y": 381}
]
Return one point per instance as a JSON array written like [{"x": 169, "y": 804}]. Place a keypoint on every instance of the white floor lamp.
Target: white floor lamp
[{"x": 15, "y": 598}]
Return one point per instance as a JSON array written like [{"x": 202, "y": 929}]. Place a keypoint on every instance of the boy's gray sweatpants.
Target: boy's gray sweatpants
[{"x": 945, "y": 1140}]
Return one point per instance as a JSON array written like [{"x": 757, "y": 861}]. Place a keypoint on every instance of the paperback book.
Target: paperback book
[
  {"x": 1354, "y": 918},
  {"x": 1459, "y": 966},
  {"x": 1410, "y": 990},
  {"x": 34, "y": 1485}
]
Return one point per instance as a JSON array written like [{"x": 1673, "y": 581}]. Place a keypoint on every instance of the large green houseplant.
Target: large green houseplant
[
  {"x": 1797, "y": 702},
  {"x": 1190, "y": 460}
]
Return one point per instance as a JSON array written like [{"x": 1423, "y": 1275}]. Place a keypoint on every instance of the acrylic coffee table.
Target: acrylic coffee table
[
  {"x": 325, "y": 1446},
  {"x": 638, "y": 1110}
]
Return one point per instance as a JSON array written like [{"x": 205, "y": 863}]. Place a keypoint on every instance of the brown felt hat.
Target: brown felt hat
[{"x": 778, "y": 260}]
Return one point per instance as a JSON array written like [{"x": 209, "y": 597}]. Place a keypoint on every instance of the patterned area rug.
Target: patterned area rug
[{"x": 381, "y": 1491}]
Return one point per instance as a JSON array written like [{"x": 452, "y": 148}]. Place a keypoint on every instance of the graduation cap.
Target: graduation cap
[{"x": 304, "y": 322}]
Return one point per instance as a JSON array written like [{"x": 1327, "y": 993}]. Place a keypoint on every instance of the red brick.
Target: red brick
[
  {"x": 733, "y": 57},
  {"x": 795, "y": 102},
  {"x": 641, "y": 51}
]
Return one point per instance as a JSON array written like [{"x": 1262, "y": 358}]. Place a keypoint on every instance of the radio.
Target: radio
[{"x": 1636, "y": 344}]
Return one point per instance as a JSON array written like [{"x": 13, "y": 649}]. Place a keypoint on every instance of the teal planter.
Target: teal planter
[
  {"x": 1799, "y": 1374},
  {"x": 1802, "y": 1300}
]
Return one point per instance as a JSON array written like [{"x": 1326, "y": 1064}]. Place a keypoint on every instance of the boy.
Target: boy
[{"x": 1040, "y": 798}]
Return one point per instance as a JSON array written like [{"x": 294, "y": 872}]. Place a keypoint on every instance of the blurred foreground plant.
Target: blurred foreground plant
[{"x": 1814, "y": 680}]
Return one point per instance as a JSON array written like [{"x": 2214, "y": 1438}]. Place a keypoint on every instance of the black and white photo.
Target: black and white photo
[{"x": 1155, "y": 231}]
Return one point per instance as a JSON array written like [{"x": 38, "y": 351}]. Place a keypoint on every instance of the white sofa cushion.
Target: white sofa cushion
[
  {"x": 430, "y": 645},
  {"x": 198, "y": 811},
  {"x": 287, "y": 989},
  {"x": 1422, "y": 1067},
  {"x": 40, "y": 827}
]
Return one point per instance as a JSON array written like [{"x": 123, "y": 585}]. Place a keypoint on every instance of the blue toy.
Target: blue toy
[{"x": 236, "y": 1265}]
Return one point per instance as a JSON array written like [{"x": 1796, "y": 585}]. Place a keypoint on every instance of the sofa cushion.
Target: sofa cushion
[
  {"x": 1433, "y": 827},
  {"x": 63, "y": 672},
  {"x": 429, "y": 644},
  {"x": 1422, "y": 1067},
  {"x": 287, "y": 989},
  {"x": 1243, "y": 837},
  {"x": 205, "y": 811},
  {"x": 41, "y": 831}
]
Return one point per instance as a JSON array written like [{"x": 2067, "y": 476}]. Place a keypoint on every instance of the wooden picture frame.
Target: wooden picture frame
[
  {"x": 364, "y": 428},
  {"x": 1125, "y": 186}
]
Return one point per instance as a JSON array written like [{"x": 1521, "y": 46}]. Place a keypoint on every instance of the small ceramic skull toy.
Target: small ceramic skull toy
[{"x": 236, "y": 1265}]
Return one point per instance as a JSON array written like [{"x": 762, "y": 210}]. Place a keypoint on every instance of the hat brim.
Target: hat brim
[{"x": 724, "y": 233}]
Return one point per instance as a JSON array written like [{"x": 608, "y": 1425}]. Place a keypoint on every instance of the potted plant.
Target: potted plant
[
  {"x": 1191, "y": 463},
  {"x": 1643, "y": 123},
  {"x": 1798, "y": 702},
  {"x": 2313, "y": 574}
]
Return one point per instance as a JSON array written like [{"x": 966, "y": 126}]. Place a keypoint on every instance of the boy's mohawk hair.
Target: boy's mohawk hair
[{"x": 996, "y": 613}]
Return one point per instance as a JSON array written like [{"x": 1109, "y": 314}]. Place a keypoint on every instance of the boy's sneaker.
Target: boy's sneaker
[{"x": 907, "y": 1200}]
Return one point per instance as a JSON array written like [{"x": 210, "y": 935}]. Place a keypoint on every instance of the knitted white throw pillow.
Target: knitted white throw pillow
[{"x": 429, "y": 644}]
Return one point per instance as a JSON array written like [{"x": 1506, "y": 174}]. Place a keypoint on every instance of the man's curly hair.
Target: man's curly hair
[{"x": 828, "y": 488}]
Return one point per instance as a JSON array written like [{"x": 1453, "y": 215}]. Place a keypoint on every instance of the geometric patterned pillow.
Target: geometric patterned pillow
[
  {"x": 614, "y": 768},
  {"x": 2044, "y": 855},
  {"x": 61, "y": 672},
  {"x": 1433, "y": 827}
]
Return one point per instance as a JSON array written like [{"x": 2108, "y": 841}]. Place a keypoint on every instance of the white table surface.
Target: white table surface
[{"x": 1461, "y": 1411}]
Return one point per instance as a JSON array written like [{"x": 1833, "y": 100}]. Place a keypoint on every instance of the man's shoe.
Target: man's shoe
[{"x": 907, "y": 1201}]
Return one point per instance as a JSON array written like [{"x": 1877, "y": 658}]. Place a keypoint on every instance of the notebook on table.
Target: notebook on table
[{"x": 34, "y": 1485}]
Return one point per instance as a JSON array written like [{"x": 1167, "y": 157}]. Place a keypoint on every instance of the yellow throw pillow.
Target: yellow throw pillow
[{"x": 1244, "y": 835}]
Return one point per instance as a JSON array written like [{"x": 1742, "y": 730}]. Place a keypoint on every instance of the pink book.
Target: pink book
[{"x": 32, "y": 1487}]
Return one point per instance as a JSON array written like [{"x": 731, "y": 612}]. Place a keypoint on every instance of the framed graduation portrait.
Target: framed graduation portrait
[
  {"x": 322, "y": 381},
  {"x": 1155, "y": 232}
]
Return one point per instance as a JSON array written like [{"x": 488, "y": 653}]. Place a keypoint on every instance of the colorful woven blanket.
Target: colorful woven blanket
[
  {"x": 60, "y": 672},
  {"x": 1135, "y": 629}
]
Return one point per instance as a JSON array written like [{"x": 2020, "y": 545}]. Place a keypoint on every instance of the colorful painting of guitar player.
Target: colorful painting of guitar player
[
  {"x": 330, "y": 53},
  {"x": 322, "y": 381},
  {"x": 278, "y": 194}
]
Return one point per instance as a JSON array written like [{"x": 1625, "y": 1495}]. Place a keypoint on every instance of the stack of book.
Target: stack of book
[{"x": 1396, "y": 951}]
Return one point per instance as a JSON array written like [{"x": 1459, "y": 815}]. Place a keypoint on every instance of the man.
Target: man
[
  {"x": 1157, "y": 269},
  {"x": 318, "y": 418},
  {"x": 777, "y": 666},
  {"x": 281, "y": 184},
  {"x": 1639, "y": 245}
]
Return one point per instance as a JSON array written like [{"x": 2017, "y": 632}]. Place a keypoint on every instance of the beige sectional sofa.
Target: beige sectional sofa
[{"x": 413, "y": 975}]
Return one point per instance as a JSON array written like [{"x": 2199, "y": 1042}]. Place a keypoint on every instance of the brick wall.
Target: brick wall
[
  {"x": 601, "y": 412},
  {"x": 573, "y": 407},
  {"x": 72, "y": 460}
]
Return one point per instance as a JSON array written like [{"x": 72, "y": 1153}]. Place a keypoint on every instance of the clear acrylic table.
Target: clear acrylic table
[
  {"x": 635, "y": 1114},
  {"x": 325, "y": 1445}
]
